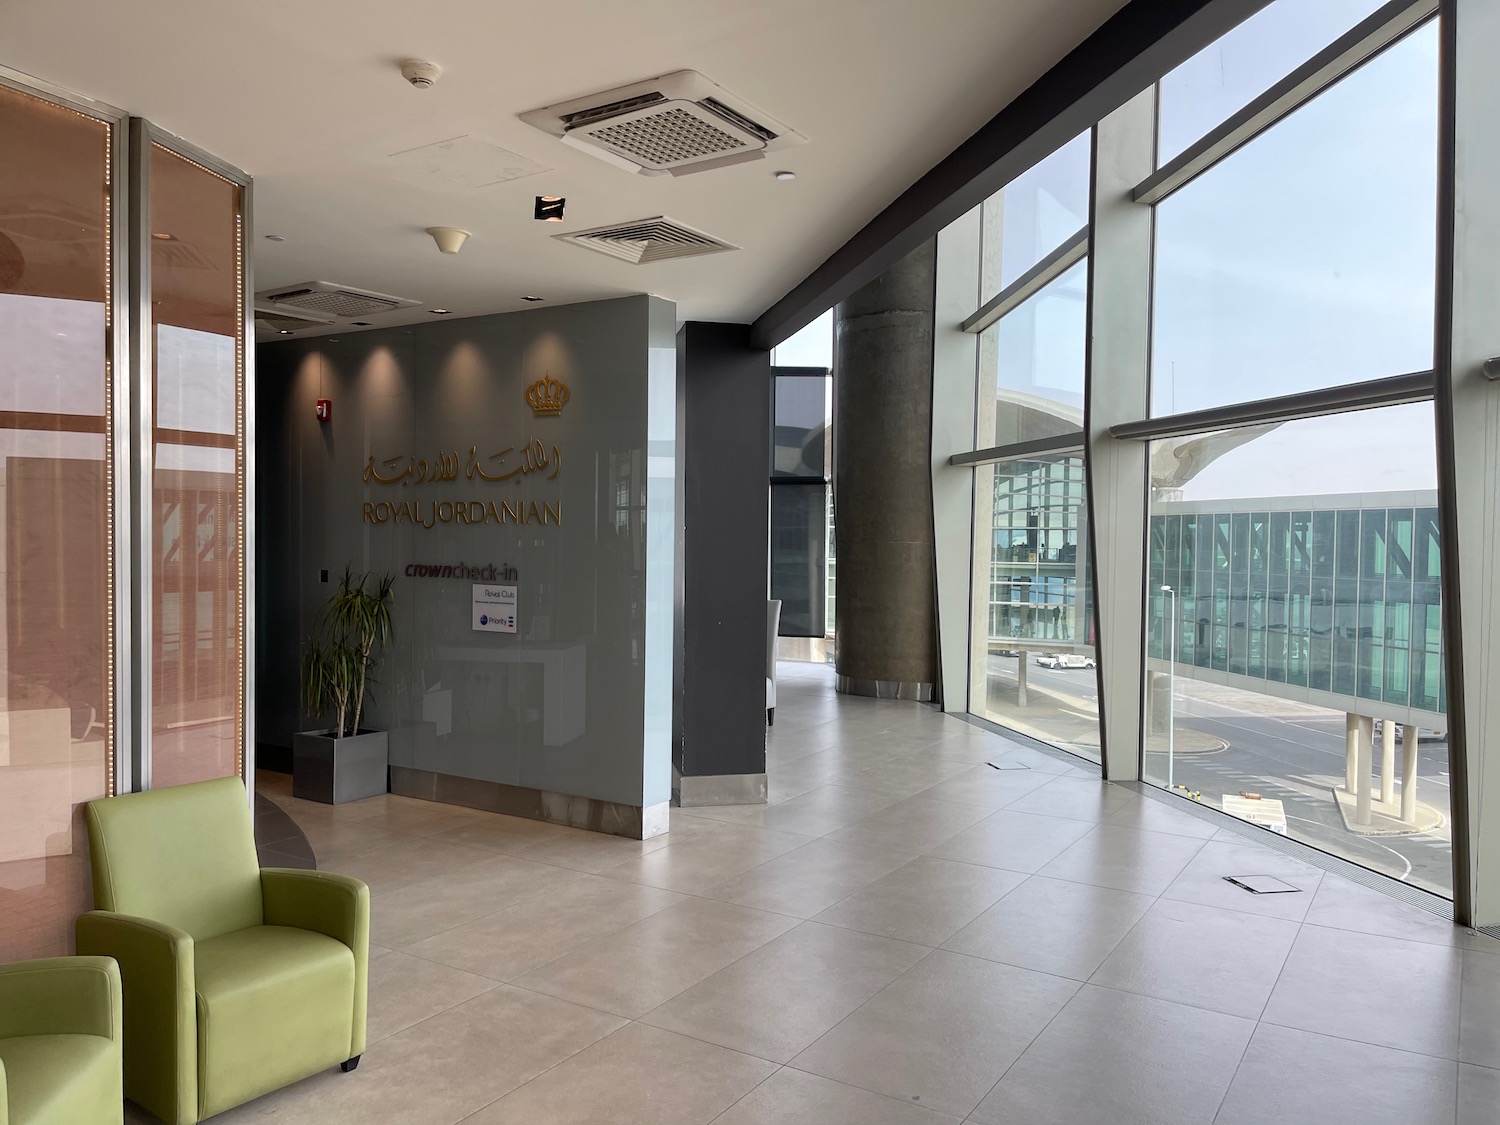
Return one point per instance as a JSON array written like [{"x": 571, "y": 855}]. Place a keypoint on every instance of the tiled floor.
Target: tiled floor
[{"x": 903, "y": 936}]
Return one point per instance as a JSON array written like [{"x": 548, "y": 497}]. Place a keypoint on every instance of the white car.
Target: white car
[{"x": 1064, "y": 660}]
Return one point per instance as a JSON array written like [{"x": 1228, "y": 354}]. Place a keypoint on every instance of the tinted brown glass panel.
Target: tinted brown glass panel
[
  {"x": 55, "y": 703},
  {"x": 197, "y": 472}
]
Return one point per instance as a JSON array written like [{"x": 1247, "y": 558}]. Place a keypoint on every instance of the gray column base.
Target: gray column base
[
  {"x": 722, "y": 789},
  {"x": 883, "y": 689},
  {"x": 589, "y": 813}
]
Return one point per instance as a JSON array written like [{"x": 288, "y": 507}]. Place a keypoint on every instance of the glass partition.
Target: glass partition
[
  {"x": 57, "y": 615},
  {"x": 197, "y": 466}
]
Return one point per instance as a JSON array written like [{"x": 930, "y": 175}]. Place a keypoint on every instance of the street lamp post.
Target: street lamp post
[{"x": 1171, "y": 677}]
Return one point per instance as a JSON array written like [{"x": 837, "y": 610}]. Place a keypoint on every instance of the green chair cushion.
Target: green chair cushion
[
  {"x": 62, "y": 1078},
  {"x": 275, "y": 1004}
]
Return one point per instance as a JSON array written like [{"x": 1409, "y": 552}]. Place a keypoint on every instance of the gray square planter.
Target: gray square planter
[{"x": 335, "y": 770}]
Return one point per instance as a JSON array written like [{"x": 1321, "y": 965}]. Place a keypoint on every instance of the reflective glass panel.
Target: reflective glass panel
[
  {"x": 1238, "y": 67},
  {"x": 56, "y": 707},
  {"x": 809, "y": 347},
  {"x": 1035, "y": 214},
  {"x": 803, "y": 407},
  {"x": 799, "y": 558},
  {"x": 195, "y": 629},
  {"x": 1287, "y": 565},
  {"x": 1031, "y": 365},
  {"x": 1306, "y": 259},
  {"x": 1032, "y": 666}
]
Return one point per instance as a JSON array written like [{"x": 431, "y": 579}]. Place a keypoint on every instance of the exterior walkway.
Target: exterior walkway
[{"x": 904, "y": 936}]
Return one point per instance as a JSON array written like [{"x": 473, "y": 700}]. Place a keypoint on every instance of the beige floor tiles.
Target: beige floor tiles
[
  {"x": 695, "y": 864},
  {"x": 808, "y": 879},
  {"x": 793, "y": 1097},
  {"x": 398, "y": 863},
  {"x": 638, "y": 1076},
  {"x": 406, "y": 990},
  {"x": 779, "y": 999},
  {"x": 925, "y": 901}
]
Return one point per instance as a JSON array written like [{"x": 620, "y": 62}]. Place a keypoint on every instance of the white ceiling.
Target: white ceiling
[{"x": 307, "y": 98}]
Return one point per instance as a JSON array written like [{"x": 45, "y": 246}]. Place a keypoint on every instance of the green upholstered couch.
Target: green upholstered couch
[
  {"x": 237, "y": 980},
  {"x": 60, "y": 1042}
]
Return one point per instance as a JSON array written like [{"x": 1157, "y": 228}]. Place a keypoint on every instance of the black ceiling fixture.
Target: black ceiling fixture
[
  {"x": 529, "y": 298},
  {"x": 549, "y": 208}
]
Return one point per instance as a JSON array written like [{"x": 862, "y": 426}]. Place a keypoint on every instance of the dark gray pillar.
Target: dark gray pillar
[
  {"x": 882, "y": 426},
  {"x": 724, "y": 458}
]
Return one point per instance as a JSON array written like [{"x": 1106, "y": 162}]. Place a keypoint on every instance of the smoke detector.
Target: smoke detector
[
  {"x": 420, "y": 73},
  {"x": 675, "y": 124}
]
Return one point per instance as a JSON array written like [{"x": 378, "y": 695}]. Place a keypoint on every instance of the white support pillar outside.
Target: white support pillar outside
[
  {"x": 1364, "y": 770},
  {"x": 1468, "y": 431},
  {"x": 1021, "y": 674},
  {"x": 1351, "y": 751},
  {"x": 1387, "y": 762},
  {"x": 1119, "y": 320},
  {"x": 1410, "y": 743}
]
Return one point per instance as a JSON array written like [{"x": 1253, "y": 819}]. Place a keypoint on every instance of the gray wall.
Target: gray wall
[{"x": 578, "y": 700}]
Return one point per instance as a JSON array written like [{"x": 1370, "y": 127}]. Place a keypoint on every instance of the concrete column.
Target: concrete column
[
  {"x": 1410, "y": 742},
  {"x": 1351, "y": 751},
  {"x": 887, "y": 584},
  {"x": 1364, "y": 769},
  {"x": 1021, "y": 675},
  {"x": 1387, "y": 761}
]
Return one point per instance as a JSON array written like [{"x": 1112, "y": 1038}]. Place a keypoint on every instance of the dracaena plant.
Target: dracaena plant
[{"x": 352, "y": 630}]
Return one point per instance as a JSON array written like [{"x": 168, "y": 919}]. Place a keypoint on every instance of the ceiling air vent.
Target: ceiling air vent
[
  {"x": 328, "y": 302},
  {"x": 647, "y": 240},
  {"x": 675, "y": 124}
]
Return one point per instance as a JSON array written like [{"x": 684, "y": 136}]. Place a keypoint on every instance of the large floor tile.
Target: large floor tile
[
  {"x": 1203, "y": 956},
  {"x": 1478, "y": 1094},
  {"x": 779, "y": 999},
  {"x": 988, "y": 787},
  {"x": 1346, "y": 905},
  {"x": 793, "y": 1097},
  {"x": 942, "y": 1034},
  {"x": 694, "y": 864},
  {"x": 1158, "y": 816},
  {"x": 1052, "y": 926},
  {"x": 1204, "y": 879},
  {"x": 904, "y": 776},
  {"x": 913, "y": 825},
  {"x": 1076, "y": 798},
  {"x": 1016, "y": 841},
  {"x": 925, "y": 901},
  {"x": 1385, "y": 991},
  {"x": 1123, "y": 1059},
  {"x": 648, "y": 963},
  {"x": 542, "y": 928},
  {"x": 638, "y": 1076},
  {"x": 817, "y": 812},
  {"x": 433, "y": 905},
  {"x": 505, "y": 834},
  {"x": 442, "y": 1069},
  {"x": 1479, "y": 1029},
  {"x": 407, "y": 990},
  {"x": 1297, "y": 1078},
  {"x": 400, "y": 863},
  {"x": 1143, "y": 862},
  {"x": 809, "y": 879}
]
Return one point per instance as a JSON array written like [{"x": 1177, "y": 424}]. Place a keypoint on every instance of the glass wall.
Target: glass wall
[
  {"x": 196, "y": 306},
  {"x": 1291, "y": 613},
  {"x": 56, "y": 618}
]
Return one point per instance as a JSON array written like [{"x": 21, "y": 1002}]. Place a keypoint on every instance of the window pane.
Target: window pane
[
  {"x": 1032, "y": 667},
  {"x": 1346, "y": 646},
  {"x": 1035, "y": 214},
  {"x": 1031, "y": 365},
  {"x": 196, "y": 654},
  {"x": 810, "y": 347},
  {"x": 1306, "y": 259},
  {"x": 56, "y": 708},
  {"x": 799, "y": 560},
  {"x": 799, "y": 442},
  {"x": 1226, "y": 76}
]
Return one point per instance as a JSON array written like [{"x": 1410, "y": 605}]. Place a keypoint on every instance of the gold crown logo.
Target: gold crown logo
[{"x": 547, "y": 396}]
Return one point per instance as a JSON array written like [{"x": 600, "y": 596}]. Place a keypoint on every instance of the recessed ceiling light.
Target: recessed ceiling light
[
  {"x": 533, "y": 298},
  {"x": 549, "y": 208},
  {"x": 163, "y": 236},
  {"x": 286, "y": 331},
  {"x": 786, "y": 176},
  {"x": 440, "y": 312},
  {"x": 275, "y": 238}
]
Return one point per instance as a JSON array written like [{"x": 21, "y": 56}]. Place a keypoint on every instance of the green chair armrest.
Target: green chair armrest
[
  {"x": 337, "y": 906},
  {"x": 4, "y": 1097},
  {"x": 60, "y": 996},
  {"x": 160, "y": 1013}
]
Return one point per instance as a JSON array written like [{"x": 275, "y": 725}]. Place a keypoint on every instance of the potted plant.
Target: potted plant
[{"x": 345, "y": 762}]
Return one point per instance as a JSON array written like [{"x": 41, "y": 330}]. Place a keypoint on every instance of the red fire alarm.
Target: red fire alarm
[{"x": 325, "y": 409}]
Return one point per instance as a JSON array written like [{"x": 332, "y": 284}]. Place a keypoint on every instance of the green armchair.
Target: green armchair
[
  {"x": 60, "y": 1042},
  {"x": 237, "y": 980}
]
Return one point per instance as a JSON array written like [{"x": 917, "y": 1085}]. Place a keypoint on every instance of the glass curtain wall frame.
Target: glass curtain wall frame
[
  {"x": 1336, "y": 479},
  {"x": 64, "y": 423},
  {"x": 169, "y": 458}
]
